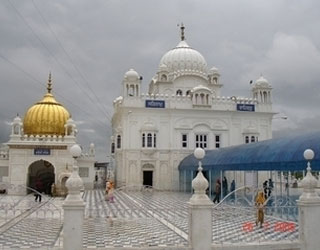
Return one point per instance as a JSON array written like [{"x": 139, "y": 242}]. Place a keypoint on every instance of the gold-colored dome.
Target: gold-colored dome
[{"x": 46, "y": 117}]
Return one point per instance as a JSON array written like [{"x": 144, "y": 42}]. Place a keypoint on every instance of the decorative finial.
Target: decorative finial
[
  {"x": 49, "y": 88},
  {"x": 309, "y": 182},
  {"x": 182, "y": 31}
]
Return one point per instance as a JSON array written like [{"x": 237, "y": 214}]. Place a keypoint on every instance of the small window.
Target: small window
[
  {"x": 149, "y": 140},
  {"x": 119, "y": 141},
  {"x": 247, "y": 139},
  {"x": 184, "y": 140},
  {"x": 188, "y": 92},
  {"x": 201, "y": 141},
  {"x": 163, "y": 78},
  {"x": 143, "y": 140},
  {"x": 112, "y": 148},
  {"x": 179, "y": 92},
  {"x": 253, "y": 139},
  {"x": 217, "y": 137}
]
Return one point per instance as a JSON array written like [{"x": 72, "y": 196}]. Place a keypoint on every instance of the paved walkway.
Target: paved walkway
[{"x": 135, "y": 219}]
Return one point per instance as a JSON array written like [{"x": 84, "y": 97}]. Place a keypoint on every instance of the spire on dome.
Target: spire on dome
[
  {"x": 182, "y": 31},
  {"x": 49, "y": 88}
]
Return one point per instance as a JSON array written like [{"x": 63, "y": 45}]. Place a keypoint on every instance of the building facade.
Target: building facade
[
  {"x": 39, "y": 149},
  {"x": 183, "y": 109}
]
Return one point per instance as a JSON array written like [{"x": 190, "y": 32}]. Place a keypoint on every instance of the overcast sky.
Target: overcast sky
[{"x": 88, "y": 45}]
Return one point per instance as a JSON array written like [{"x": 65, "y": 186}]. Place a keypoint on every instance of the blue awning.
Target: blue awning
[{"x": 282, "y": 154}]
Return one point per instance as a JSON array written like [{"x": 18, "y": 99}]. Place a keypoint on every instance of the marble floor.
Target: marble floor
[{"x": 134, "y": 219}]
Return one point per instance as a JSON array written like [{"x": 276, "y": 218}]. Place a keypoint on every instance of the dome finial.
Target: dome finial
[
  {"x": 182, "y": 31},
  {"x": 49, "y": 88}
]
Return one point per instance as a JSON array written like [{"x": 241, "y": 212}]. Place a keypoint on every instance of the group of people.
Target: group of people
[
  {"x": 109, "y": 191},
  {"x": 224, "y": 189},
  {"x": 260, "y": 200}
]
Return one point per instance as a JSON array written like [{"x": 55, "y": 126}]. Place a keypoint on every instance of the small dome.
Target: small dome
[
  {"x": 17, "y": 119},
  {"x": 163, "y": 67},
  {"x": 183, "y": 58},
  {"x": 131, "y": 75},
  {"x": 46, "y": 117},
  {"x": 214, "y": 70},
  {"x": 201, "y": 87},
  {"x": 262, "y": 81}
]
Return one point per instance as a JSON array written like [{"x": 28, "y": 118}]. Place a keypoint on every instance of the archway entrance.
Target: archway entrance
[
  {"x": 147, "y": 178},
  {"x": 42, "y": 171}
]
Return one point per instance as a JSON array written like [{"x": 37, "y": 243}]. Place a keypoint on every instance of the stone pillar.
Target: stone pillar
[
  {"x": 309, "y": 209},
  {"x": 73, "y": 212},
  {"x": 200, "y": 211}
]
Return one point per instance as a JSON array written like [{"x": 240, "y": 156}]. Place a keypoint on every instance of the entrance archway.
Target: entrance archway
[
  {"x": 147, "y": 174},
  {"x": 44, "y": 172},
  {"x": 148, "y": 178}
]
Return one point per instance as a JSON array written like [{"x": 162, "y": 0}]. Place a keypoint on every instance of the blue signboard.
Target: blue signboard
[
  {"x": 42, "y": 151},
  {"x": 155, "y": 104},
  {"x": 245, "y": 107}
]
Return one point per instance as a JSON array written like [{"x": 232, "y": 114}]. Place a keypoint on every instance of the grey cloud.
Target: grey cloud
[{"x": 106, "y": 38}]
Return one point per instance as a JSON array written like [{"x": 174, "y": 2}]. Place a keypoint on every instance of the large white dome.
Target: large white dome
[{"x": 184, "y": 59}]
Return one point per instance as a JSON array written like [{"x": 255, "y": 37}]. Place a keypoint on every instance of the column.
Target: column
[
  {"x": 200, "y": 208},
  {"x": 73, "y": 208},
  {"x": 309, "y": 209}
]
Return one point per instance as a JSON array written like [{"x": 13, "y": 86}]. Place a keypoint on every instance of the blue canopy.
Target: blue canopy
[{"x": 282, "y": 154}]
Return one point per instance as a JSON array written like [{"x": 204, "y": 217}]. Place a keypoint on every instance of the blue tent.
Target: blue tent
[{"x": 281, "y": 154}]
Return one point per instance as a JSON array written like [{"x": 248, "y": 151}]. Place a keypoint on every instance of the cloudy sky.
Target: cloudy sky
[{"x": 88, "y": 45}]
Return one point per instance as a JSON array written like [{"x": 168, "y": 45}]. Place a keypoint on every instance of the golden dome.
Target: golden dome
[{"x": 46, "y": 117}]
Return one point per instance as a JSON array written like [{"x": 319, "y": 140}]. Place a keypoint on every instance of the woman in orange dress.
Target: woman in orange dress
[{"x": 260, "y": 202}]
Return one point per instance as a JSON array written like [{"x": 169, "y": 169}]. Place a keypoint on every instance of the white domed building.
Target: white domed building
[
  {"x": 39, "y": 149},
  {"x": 183, "y": 109}
]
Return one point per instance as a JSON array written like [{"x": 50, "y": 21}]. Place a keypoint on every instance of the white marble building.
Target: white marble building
[
  {"x": 38, "y": 148},
  {"x": 183, "y": 109}
]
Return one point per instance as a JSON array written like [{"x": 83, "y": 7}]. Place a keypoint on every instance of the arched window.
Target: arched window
[
  {"x": 163, "y": 78},
  {"x": 143, "y": 140},
  {"x": 253, "y": 139},
  {"x": 202, "y": 99},
  {"x": 188, "y": 92},
  {"x": 119, "y": 141},
  {"x": 16, "y": 129},
  {"x": 154, "y": 140},
  {"x": 265, "y": 96},
  {"x": 149, "y": 140},
  {"x": 112, "y": 148},
  {"x": 179, "y": 92},
  {"x": 247, "y": 139},
  {"x": 215, "y": 80}
]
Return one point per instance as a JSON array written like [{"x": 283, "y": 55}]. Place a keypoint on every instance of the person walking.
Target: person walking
[
  {"x": 232, "y": 188},
  {"x": 270, "y": 187},
  {"x": 224, "y": 186},
  {"x": 217, "y": 191},
  {"x": 110, "y": 192},
  {"x": 38, "y": 189},
  {"x": 265, "y": 189},
  {"x": 260, "y": 203}
]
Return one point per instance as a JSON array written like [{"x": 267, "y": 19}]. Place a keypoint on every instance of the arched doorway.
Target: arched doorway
[
  {"x": 147, "y": 175},
  {"x": 43, "y": 171}
]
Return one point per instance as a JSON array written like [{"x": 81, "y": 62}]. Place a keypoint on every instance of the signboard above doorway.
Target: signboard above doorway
[
  {"x": 245, "y": 107},
  {"x": 41, "y": 151}
]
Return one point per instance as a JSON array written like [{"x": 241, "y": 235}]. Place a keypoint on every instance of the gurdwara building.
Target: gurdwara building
[
  {"x": 183, "y": 109},
  {"x": 39, "y": 149}
]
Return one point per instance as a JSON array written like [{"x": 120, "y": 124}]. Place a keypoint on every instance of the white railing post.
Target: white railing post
[
  {"x": 309, "y": 209},
  {"x": 73, "y": 208},
  {"x": 200, "y": 210}
]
